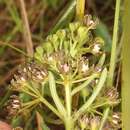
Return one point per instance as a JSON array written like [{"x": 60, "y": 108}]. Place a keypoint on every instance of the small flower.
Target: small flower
[
  {"x": 20, "y": 78},
  {"x": 116, "y": 119},
  {"x": 36, "y": 72},
  {"x": 84, "y": 63},
  {"x": 90, "y": 22},
  {"x": 114, "y": 123},
  {"x": 50, "y": 58},
  {"x": 112, "y": 94},
  {"x": 84, "y": 122},
  {"x": 98, "y": 69},
  {"x": 95, "y": 122},
  {"x": 85, "y": 67},
  {"x": 13, "y": 105},
  {"x": 96, "y": 48},
  {"x": 38, "y": 75},
  {"x": 65, "y": 68},
  {"x": 17, "y": 82}
]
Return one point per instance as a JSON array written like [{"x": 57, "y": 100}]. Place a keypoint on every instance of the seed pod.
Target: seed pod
[{"x": 13, "y": 105}]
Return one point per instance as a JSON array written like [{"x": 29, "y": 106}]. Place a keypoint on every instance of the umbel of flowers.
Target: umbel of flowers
[{"x": 66, "y": 80}]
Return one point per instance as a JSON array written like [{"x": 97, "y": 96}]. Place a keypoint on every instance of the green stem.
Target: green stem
[
  {"x": 50, "y": 107},
  {"x": 29, "y": 93},
  {"x": 32, "y": 89},
  {"x": 114, "y": 45},
  {"x": 94, "y": 95},
  {"x": 105, "y": 116},
  {"x": 80, "y": 7},
  {"x": 29, "y": 105},
  {"x": 55, "y": 96},
  {"x": 69, "y": 124},
  {"x": 68, "y": 98},
  {"x": 79, "y": 88}
]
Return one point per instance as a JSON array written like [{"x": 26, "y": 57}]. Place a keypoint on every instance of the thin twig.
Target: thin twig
[
  {"x": 39, "y": 120},
  {"x": 27, "y": 32},
  {"x": 12, "y": 47}
]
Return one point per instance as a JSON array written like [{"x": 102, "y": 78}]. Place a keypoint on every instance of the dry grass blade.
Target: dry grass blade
[{"x": 27, "y": 33}]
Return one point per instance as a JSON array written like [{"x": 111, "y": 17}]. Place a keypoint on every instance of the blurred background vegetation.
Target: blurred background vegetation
[{"x": 43, "y": 15}]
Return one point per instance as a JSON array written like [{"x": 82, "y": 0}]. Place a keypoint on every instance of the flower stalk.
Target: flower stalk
[
  {"x": 114, "y": 45},
  {"x": 80, "y": 8}
]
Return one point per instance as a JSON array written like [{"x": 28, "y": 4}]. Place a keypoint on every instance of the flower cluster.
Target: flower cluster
[
  {"x": 76, "y": 59},
  {"x": 93, "y": 122},
  {"x": 13, "y": 105},
  {"x": 111, "y": 94},
  {"x": 114, "y": 123},
  {"x": 89, "y": 123},
  {"x": 26, "y": 73}
]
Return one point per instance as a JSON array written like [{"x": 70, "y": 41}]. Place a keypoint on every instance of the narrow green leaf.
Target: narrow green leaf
[
  {"x": 64, "y": 16},
  {"x": 98, "y": 88}
]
